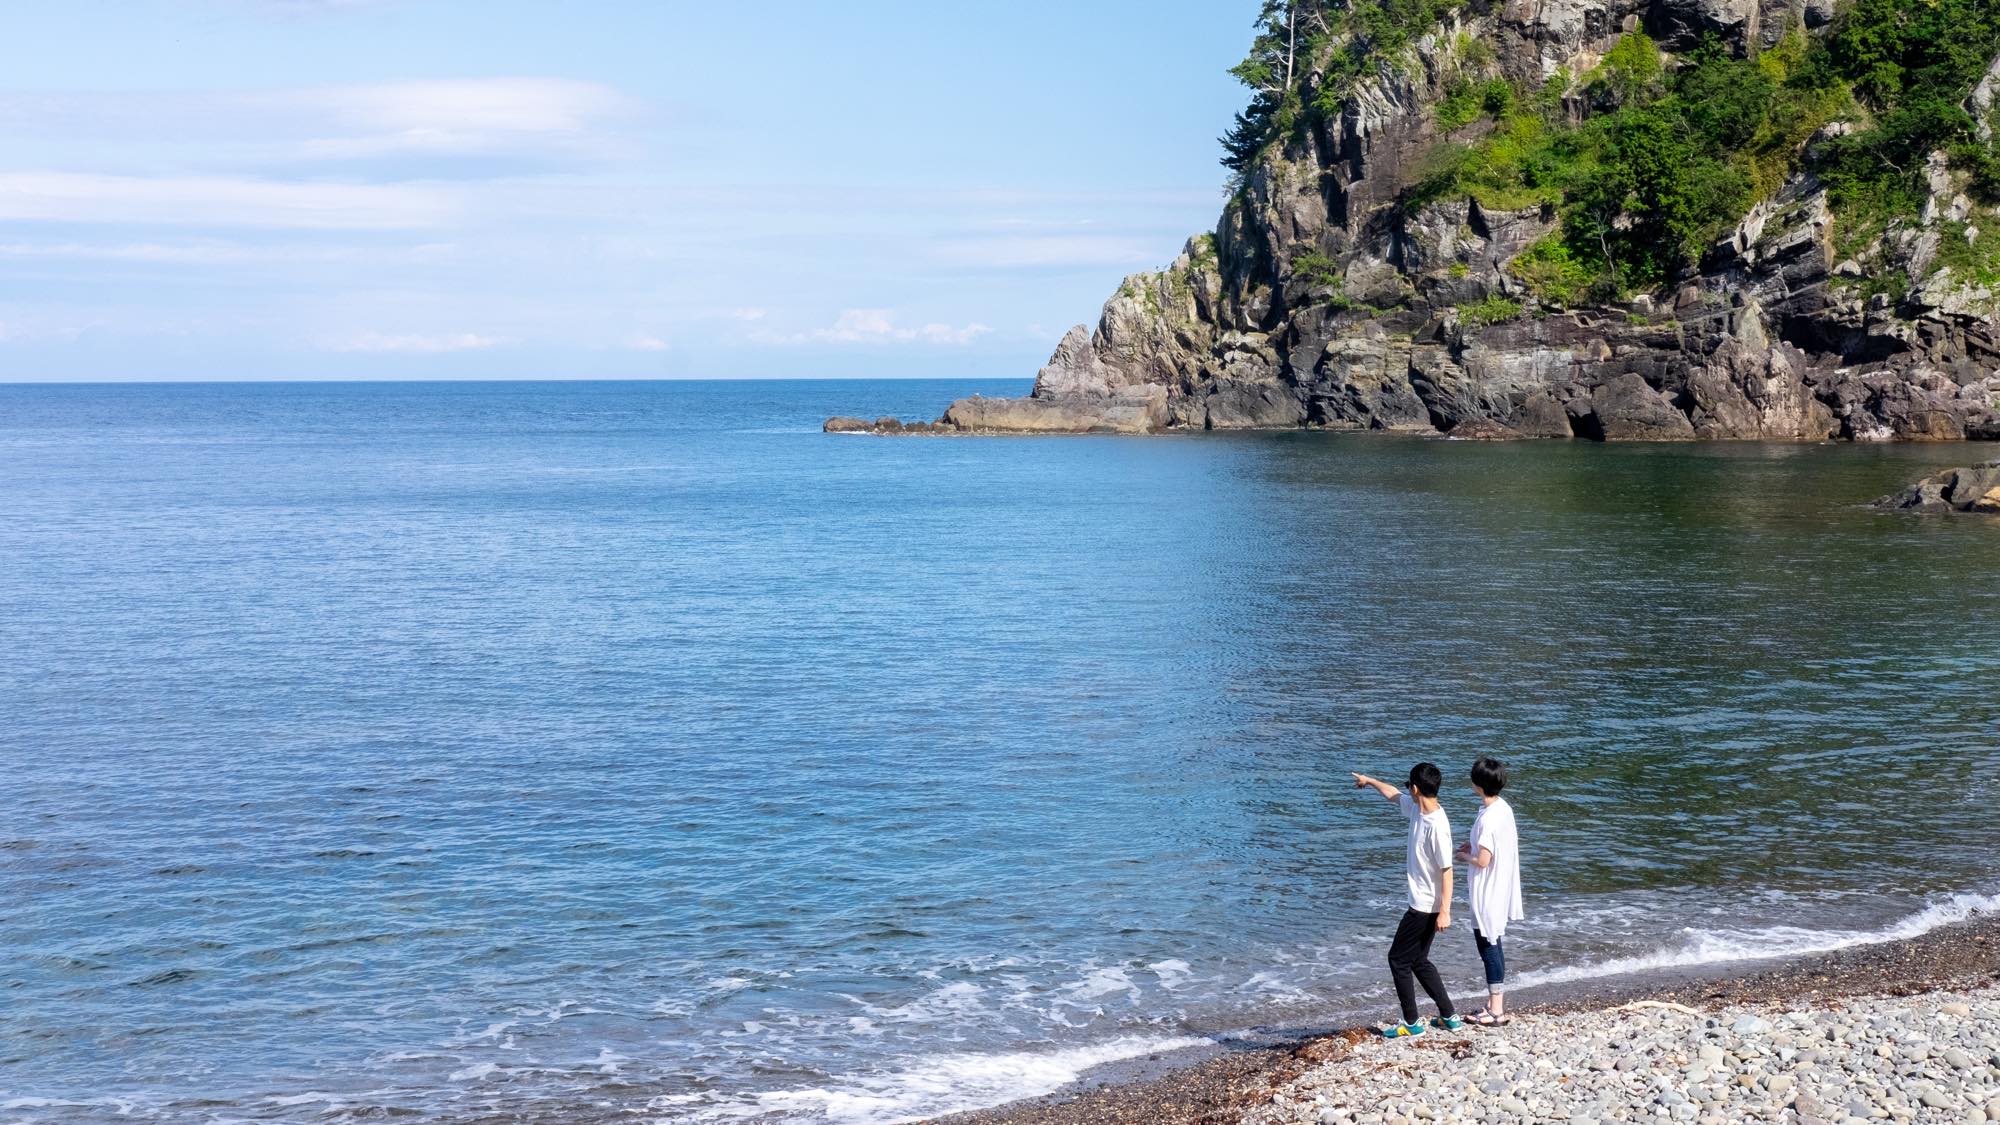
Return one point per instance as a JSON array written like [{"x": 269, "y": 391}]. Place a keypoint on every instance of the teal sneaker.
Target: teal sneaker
[
  {"x": 1447, "y": 1023},
  {"x": 1402, "y": 1031}
]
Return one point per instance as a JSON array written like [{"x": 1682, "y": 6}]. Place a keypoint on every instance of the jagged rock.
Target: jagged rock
[
  {"x": 1246, "y": 405},
  {"x": 1629, "y": 409},
  {"x": 1976, "y": 489},
  {"x": 1130, "y": 410},
  {"x": 1540, "y": 416},
  {"x": 842, "y": 424},
  {"x": 1363, "y": 383}
]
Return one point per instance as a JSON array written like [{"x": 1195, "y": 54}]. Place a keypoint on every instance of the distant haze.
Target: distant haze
[{"x": 338, "y": 189}]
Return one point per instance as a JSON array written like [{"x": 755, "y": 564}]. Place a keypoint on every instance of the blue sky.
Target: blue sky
[{"x": 337, "y": 189}]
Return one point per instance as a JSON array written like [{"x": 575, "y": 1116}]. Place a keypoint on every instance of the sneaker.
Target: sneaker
[
  {"x": 1447, "y": 1023},
  {"x": 1402, "y": 1030}
]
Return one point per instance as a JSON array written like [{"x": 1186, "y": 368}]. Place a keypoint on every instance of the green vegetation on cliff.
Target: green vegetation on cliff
[
  {"x": 1306, "y": 59},
  {"x": 1646, "y": 165},
  {"x": 1649, "y": 157}
]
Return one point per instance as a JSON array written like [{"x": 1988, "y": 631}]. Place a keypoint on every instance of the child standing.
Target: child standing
[
  {"x": 1494, "y": 854},
  {"x": 1428, "y": 872}
]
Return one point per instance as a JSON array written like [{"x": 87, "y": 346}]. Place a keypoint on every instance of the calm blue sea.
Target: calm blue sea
[{"x": 610, "y": 751}]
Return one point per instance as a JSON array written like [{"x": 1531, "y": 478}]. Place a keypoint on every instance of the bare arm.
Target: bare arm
[
  {"x": 1444, "y": 902},
  {"x": 1363, "y": 781}
]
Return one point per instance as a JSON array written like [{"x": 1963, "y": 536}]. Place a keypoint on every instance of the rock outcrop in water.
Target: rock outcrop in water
[
  {"x": 1352, "y": 285},
  {"x": 1976, "y": 489}
]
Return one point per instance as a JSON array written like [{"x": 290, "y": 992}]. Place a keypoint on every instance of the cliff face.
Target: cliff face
[{"x": 1334, "y": 293}]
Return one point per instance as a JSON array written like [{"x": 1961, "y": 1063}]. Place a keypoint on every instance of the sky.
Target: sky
[{"x": 429, "y": 189}]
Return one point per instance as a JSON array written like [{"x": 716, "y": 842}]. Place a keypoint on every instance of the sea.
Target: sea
[{"x": 635, "y": 752}]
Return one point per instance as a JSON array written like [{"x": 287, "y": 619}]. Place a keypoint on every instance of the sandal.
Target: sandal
[{"x": 1484, "y": 1018}]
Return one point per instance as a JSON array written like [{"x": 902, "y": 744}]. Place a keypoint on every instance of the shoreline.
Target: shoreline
[{"x": 1225, "y": 1087}]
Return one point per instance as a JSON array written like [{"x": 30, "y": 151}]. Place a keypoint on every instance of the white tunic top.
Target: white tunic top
[{"x": 1496, "y": 888}]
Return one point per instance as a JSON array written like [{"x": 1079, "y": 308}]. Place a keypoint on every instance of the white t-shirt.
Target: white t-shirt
[
  {"x": 1430, "y": 855},
  {"x": 1496, "y": 888}
]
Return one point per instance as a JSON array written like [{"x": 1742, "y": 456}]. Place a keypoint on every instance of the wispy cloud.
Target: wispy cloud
[
  {"x": 880, "y": 326},
  {"x": 221, "y": 201},
  {"x": 216, "y": 252},
  {"x": 543, "y": 119},
  {"x": 462, "y": 116},
  {"x": 416, "y": 344}
]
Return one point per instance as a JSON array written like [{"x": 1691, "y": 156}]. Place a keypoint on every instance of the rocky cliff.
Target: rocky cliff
[{"x": 1394, "y": 257}]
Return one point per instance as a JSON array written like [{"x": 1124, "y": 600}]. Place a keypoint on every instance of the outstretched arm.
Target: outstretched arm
[{"x": 1363, "y": 781}]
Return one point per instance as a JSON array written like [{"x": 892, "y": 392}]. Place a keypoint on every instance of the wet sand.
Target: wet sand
[{"x": 1221, "y": 1089}]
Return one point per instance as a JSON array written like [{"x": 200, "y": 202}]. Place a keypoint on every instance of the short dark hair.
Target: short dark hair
[
  {"x": 1425, "y": 779},
  {"x": 1490, "y": 776}
]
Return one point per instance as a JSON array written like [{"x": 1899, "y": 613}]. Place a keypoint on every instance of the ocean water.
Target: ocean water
[{"x": 635, "y": 752}]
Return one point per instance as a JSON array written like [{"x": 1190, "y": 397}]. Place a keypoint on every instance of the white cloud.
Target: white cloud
[
  {"x": 463, "y": 116},
  {"x": 647, "y": 344},
  {"x": 416, "y": 344},
  {"x": 508, "y": 105},
  {"x": 879, "y": 326},
  {"x": 211, "y": 252},
  {"x": 221, "y": 201},
  {"x": 527, "y": 117}
]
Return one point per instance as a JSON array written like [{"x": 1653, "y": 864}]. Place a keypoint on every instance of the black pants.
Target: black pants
[{"x": 1410, "y": 957}]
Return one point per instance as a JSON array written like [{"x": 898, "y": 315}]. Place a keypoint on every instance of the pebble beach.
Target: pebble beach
[
  {"x": 1902, "y": 1059},
  {"x": 1901, "y": 1032}
]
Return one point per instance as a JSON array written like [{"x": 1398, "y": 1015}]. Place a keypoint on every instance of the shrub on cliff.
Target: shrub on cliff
[{"x": 1648, "y": 158}]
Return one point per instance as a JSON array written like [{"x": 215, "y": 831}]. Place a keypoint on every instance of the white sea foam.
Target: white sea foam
[
  {"x": 1719, "y": 945},
  {"x": 953, "y": 1002},
  {"x": 939, "y": 1084},
  {"x": 1275, "y": 990},
  {"x": 474, "y": 1073},
  {"x": 1102, "y": 982},
  {"x": 121, "y": 1106},
  {"x": 1172, "y": 973},
  {"x": 493, "y": 1031}
]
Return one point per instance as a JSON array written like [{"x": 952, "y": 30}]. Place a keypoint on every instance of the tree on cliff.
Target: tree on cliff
[{"x": 1271, "y": 70}]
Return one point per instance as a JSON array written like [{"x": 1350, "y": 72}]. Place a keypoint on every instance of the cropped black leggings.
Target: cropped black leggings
[{"x": 1410, "y": 965}]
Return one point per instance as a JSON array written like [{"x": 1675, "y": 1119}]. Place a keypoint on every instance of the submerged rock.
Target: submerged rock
[
  {"x": 1975, "y": 489},
  {"x": 1485, "y": 429},
  {"x": 846, "y": 425}
]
